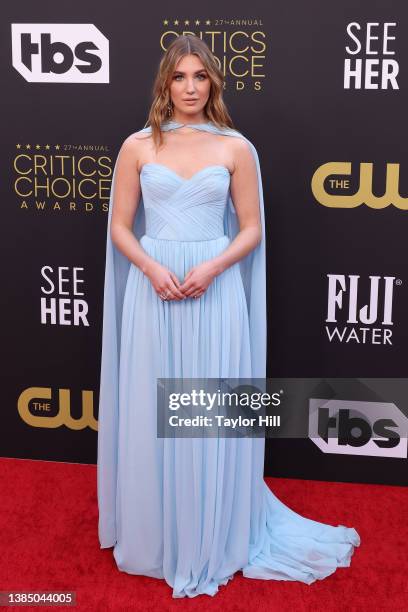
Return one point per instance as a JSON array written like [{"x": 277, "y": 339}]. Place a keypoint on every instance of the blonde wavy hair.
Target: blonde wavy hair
[{"x": 215, "y": 109}]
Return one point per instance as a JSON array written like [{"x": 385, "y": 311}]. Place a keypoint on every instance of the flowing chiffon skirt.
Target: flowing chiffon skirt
[{"x": 196, "y": 510}]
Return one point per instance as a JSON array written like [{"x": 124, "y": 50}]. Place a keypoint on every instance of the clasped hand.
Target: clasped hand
[{"x": 195, "y": 282}]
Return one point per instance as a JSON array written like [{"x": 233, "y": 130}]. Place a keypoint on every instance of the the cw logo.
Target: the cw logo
[
  {"x": 364, "y": 194},
  {"x": 64, "y": 414}
]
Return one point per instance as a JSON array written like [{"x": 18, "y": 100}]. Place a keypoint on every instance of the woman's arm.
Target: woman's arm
[
  {"x": 244, "y": 193},
  {"x": 125, "y": 202}
]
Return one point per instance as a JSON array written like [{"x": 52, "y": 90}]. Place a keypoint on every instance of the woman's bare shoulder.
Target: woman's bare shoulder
[
  {"x": 240, "y": 151},
  {"x": 133, "y": 146},
  {"x": 136, "y": 139},
  {"x": 238, "y": 143},
  {"x": 140, "y": 135}
]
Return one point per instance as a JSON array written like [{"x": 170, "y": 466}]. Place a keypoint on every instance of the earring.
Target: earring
[{"x": 169, "y": 109}]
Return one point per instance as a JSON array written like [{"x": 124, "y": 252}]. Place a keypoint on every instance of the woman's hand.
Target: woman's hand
[
  {"x": 198, "y": 279},
  {"x": 164, "y": 282}
]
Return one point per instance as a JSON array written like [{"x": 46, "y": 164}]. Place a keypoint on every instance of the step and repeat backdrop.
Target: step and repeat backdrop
[{"x": 321, "y": 90}]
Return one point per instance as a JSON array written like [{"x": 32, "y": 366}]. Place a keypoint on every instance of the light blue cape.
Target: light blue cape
[{"x": 117, "y": 266}]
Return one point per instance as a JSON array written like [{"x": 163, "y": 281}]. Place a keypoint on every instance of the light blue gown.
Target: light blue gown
[{"x": 192, "y": 511}]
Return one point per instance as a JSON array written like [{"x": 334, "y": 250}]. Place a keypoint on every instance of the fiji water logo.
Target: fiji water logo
[{"x": 360, "y": 311}]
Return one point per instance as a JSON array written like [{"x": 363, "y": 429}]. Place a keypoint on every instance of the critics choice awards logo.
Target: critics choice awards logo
[
  {"x": 239, "y": 46},
  {"x": 62, "y": 177}
]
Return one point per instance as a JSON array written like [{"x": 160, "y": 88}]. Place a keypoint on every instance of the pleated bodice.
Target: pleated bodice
[{"x": 183, "y": 209}]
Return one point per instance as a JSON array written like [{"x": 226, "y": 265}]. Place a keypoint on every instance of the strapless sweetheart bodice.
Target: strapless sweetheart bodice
[{"x": 178, "y": 208}]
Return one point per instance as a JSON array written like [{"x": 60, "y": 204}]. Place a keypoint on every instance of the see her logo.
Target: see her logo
[{"x": 374, "y": 68}]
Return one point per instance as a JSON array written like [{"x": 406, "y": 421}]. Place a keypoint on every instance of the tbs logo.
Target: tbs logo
[
  {"x": 60, "y": 52},
  {"x": 376, "y": 429}
]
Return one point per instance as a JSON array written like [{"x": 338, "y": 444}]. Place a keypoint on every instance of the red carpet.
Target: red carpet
[{"x": 48, "y": 523}]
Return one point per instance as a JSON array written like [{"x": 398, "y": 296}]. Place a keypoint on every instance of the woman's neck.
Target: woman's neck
[{"x": 189, "y": 119}]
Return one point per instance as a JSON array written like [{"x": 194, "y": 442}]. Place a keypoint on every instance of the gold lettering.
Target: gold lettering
[
  {"x": 364, "y": 194},
  {"x": 64, "y": 414}
]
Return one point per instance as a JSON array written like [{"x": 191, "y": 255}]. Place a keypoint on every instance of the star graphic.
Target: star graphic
[
  {"x": 165, "y": 22},
  {"x": 28, "y": 146},
  {"x": 197, "y": 22},
  {"x": 18, "y": 146},
  {"x": 176, "y": 22}
]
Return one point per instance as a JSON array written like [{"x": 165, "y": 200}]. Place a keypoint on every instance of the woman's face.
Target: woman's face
[{"x": 190, "y": 85}]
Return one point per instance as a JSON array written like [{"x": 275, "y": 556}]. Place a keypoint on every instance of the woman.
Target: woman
[{"x": 184, "y": 298}]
